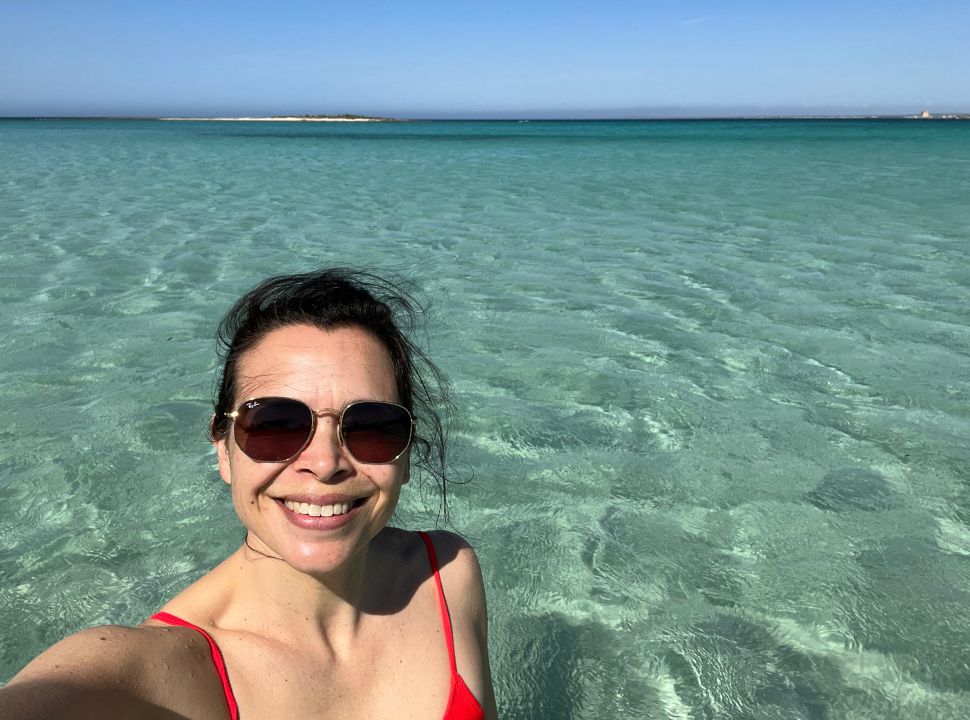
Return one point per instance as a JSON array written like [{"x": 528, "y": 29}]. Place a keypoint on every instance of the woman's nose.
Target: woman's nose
[{"x": 324, "y": 454}]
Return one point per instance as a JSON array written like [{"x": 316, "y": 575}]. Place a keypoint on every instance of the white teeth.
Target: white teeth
[{"x": 318, "y": 510}]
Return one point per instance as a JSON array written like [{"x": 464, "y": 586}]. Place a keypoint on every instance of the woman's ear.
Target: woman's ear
[{"x": 222, "y": 452}]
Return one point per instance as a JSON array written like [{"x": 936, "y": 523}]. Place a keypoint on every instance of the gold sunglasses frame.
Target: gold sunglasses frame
[{"x": 332, "y": 412}]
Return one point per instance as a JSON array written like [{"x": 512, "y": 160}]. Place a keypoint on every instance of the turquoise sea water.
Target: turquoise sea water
[{"x": 712, "y": 384}]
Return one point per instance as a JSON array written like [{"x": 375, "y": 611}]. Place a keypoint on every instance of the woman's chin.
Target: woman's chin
[{"x": 317, "y": 559}]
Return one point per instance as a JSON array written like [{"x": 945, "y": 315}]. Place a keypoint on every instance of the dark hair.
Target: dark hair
[{"x": 332, "y": 298}]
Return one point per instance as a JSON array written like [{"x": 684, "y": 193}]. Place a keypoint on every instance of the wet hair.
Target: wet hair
[{"x": 330, "y": 299}]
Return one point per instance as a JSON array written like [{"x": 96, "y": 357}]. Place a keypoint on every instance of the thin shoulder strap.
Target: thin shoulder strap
[
  {"x": 445, "y": 615},
  {"x": 217, "y": 658}
]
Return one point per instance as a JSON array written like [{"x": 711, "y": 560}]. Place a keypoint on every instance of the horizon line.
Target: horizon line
[{"x": 938, "y": 115}]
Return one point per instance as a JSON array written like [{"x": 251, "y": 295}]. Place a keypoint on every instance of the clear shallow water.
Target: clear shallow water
[{"x": 712, "y": 381}]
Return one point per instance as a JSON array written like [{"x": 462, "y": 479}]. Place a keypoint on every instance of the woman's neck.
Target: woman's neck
[{"x": 272, "y": 598}]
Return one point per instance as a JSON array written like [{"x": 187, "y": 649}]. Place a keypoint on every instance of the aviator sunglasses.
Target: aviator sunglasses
[{"x": 276, "y": 429}]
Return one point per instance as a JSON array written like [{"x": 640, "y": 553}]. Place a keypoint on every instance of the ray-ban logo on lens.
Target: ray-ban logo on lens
[{"x": 250, "y": 404}]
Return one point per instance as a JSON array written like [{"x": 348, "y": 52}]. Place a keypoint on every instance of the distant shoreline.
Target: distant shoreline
[
  {"x": 353, "y": 118},
  {"x": 938, "y": 117},
  {"x": 283, "y": 118}
]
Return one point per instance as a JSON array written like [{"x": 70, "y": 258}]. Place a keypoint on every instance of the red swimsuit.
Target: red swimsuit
[{"x": 462, "y": 704}]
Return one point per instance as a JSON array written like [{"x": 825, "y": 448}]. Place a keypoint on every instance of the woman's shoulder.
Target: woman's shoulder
[
  {"x": 464, "y": 590},
  {"x": 451, "y": 552},
  {"x": 149, "y": 670},
  {"x": 100, "y": 653},
  {"x": 460, "y": 573},
  {"x": 447, "y": 541}
]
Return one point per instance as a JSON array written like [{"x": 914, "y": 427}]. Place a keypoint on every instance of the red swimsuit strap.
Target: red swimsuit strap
[
  {"x": 445, "y": 615},
  {"x": 217, "y": 659}
]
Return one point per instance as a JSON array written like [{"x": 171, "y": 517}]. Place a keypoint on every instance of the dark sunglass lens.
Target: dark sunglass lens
[
  {"x": 376, "y": 432},
  {"x": 273, "y": 429}
]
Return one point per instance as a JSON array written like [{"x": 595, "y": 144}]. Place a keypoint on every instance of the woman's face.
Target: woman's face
[{"x": 285, "y": 505}]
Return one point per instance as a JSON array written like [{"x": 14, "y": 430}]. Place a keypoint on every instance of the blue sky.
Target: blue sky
[{"x": 429, "y": 58}]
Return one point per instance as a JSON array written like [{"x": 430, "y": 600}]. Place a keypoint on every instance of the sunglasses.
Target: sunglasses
[{"x": 277, "y": 429}]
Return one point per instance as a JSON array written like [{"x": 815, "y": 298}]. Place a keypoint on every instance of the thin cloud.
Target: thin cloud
[{"x": 694, "y": 21}]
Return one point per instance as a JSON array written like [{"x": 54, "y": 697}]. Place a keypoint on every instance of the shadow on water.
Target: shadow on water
[
  {"x": 569, "y": 670},
  {"x": 848, "y": 489},
  {"x": 577, "y": 670},
  {"x": 729, "y": 667}
]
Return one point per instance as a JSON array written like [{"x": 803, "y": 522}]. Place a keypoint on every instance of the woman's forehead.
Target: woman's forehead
[{"x": 304, "y": 358}]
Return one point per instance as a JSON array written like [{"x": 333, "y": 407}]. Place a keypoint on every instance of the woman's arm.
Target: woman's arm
[
  {"x": 84, "y": 676},
  {"x": 114, "y": 671},
  {"x": 49, "y": 698}
]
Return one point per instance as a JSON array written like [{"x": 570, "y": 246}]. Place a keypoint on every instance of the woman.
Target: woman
[{"x": 324, "y": 611}]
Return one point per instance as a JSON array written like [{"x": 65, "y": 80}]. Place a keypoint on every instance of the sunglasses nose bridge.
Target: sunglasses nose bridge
[
  {"x": 336, "y": 414},
  {"x": 324, "y": 412}
]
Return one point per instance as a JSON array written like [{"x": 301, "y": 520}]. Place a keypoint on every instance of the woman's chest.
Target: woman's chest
[{"x": 391, "y": 672}]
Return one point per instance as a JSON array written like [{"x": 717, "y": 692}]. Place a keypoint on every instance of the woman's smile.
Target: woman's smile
[{"x": 323, "y": 513}]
